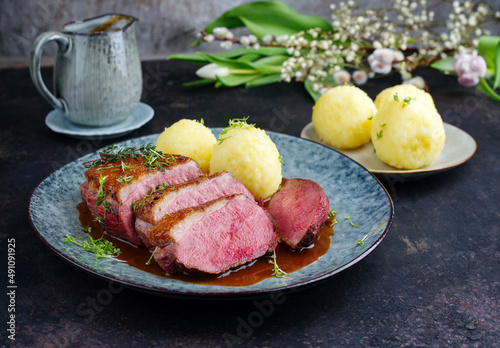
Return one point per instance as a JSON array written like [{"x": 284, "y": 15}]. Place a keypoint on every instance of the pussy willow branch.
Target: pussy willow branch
[{"x": 306, "y": 47}]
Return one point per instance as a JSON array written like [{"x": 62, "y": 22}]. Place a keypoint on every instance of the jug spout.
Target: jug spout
[{"x": 100, "y": 25}]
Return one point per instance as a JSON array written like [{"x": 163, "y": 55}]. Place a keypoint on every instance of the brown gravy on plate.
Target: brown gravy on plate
[{"x": 254, "y": 272}]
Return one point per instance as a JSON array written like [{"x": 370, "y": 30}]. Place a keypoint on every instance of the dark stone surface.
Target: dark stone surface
[{"x": 434, "y": 280}]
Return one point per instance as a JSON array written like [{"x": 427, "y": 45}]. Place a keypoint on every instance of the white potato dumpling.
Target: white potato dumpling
[
  {"x": 343, "y": 116},
  {"x": 251, "y": 156},
  {"x": 188, "y": 138},
  {"x": 407, "y": 134},
  {"x": 402, "y": 92}
]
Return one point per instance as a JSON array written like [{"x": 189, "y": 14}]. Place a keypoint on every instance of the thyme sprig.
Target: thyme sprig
[
  {"x": 102, "y": 248},
  {"x": 277, "y": 271},
  {"x": 112, "y": 153}
]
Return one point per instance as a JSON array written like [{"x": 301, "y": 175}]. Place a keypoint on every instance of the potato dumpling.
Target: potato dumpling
[
  {"x": 251, "y": 156},
  {"x": 407, "y": 134},
  {"x": 342, "y": 117},
  {"x": 403, "y": 91},
  {"x": 188, "y": 138}
]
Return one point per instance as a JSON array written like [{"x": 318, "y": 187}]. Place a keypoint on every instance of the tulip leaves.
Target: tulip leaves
[
  {"x": 489, "y": 49},
  {"x": 268, "y": 17},
  {"x": 249, "y": 66}
]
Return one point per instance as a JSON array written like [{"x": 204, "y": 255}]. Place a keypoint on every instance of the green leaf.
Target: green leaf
[
  {"x": 262, "y": 51},
  {"x": 270, "y": 65},
  {"x": 272, "y": 60},
  {"x": 190, "y": 58},
  {"x": 233, "y": 80},
  {"x": 263, "y": 80},
  {"x": 268, "y": 17},
  {"x": 329, "y": 81},
  {"x": 249, "y": 57},
  {"x": 198, "y": 83},
  {"x": 485, "y": 88},
  {"x": 445, "y": 64},
  {"x": 228, "y": 63},
  {"x": 489, "y": 49}
]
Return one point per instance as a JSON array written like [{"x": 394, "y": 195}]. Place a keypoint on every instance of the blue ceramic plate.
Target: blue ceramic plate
[{"x": 352, "y": 191}]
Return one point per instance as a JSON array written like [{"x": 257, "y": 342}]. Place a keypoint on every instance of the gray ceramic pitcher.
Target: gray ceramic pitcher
[{"x": 97, "y": 71}]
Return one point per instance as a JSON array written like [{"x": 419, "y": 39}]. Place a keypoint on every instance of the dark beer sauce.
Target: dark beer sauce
[{"x": 254, "y": 272}]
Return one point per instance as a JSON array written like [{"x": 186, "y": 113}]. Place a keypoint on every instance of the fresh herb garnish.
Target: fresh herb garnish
[
  {"x": 332, "y": 217},
  {"x": 124, "y": 179},
  {"x": 112, "y": 153},
  {"x": 101, "y": 194},
  {"x": 148, "y": 262},
  {"x": 277, "y": 271},
  {"x": 125, "y": 167},
  {"x": 379, "y": 134},
  {"x": 361, "y": 242},
  {"x": 100, "y": 247},
  {"x": 88, "y": 229},
  {"x": 354, "y": 225},
  {"x": 396, "y": 97},
  {"x": 280, "y": 159},
  {"x": 201, "y": 121},
  {"x": 235, "y": 123},
  {"x": 407, "y": 101},
  {"x": 139, "y": 205},
  {"x": 370, "y": 118}
]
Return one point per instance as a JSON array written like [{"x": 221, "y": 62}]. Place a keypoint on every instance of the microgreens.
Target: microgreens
[
  {"x": 101, "y": 194},
  {"x": 361, "y": 242},
  {"x": 125, "y": 167},
  {"x": 124, "y": 179},
  {"x": 332, "y": 217},
  {"x": 235, "y": 123},
  {"x": 148, "y": 262},
  {"x": 277, "y": 271},
  {"x": 87, "y": 229},
  {"x": 407, "y": 101},
  {"x": 100, "y": 247}
]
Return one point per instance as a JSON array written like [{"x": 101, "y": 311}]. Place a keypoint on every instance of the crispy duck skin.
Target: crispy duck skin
[
  {"x": 124, "y": 181},
  {"x": 170, "y": 198}
]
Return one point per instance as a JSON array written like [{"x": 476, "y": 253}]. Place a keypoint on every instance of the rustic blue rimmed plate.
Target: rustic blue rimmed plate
[{"x": 352, "y": 191}]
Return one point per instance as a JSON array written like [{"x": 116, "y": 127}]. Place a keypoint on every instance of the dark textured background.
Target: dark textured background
[
  {"x": 433, "y": 282},
  {"x": 165, "y": 26}
]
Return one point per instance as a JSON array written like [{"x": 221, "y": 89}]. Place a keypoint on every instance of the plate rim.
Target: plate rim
[
  {"x": 396, "y": 171},
  {"x": 253, "y": 293}
]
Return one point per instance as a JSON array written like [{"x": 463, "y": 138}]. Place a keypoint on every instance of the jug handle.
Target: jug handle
[{"x": 64, "y": 45}]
